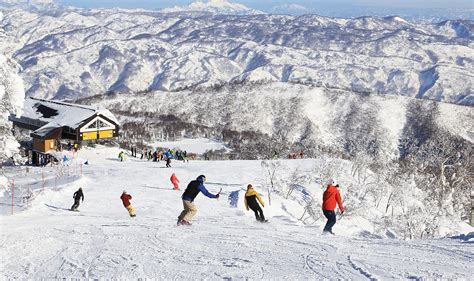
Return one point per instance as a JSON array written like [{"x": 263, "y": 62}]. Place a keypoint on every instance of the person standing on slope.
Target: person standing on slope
[
  {"x": 251, "y": 197},
  {"x": 174, "y": 180},
  {"x": 77, "y": 198},
  {"x": 330, "y": 197},
  {"x": 168, "y": 162},
  {"x": 126, "y": 203},
  {"x": 193, "y": 189}
]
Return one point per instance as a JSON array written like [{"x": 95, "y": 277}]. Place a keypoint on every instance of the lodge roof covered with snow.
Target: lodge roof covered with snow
[{"x": 45, "y": 116}]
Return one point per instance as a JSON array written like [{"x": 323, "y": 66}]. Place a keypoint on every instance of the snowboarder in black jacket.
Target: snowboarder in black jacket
[
  {"x": 193, "y": 189},
  {"x": 77, "y": 197}
]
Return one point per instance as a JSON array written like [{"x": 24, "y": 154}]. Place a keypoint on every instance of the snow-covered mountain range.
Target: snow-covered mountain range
[
  {"x": 383, "y": 105},
  {"x": 214, "y": 7},
  {"x": 71, "y": 53}
]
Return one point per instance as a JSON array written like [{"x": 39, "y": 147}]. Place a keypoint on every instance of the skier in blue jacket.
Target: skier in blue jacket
[{"x": 193, "y": 189}]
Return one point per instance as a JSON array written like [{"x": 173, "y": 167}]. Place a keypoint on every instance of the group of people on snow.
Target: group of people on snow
[
  {"x": 158, "y": 155},
  {"x": 163, "y": 154},
  {"x": 295, "y": 155},
  {"x": 331, "y": 198}
]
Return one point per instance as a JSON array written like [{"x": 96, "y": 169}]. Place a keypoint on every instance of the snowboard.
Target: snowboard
[{"x": 183, "y": 224}]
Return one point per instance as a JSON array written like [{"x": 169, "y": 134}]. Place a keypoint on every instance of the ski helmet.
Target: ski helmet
[{"x": 201, "y": 178}]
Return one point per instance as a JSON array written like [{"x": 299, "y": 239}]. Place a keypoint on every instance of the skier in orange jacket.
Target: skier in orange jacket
[
  {"x": 330, "y": 197},
  {"x": 174, "y": 180}
]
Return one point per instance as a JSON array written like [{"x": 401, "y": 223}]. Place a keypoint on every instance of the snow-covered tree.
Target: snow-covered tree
[{"x": 12, "y": 96}]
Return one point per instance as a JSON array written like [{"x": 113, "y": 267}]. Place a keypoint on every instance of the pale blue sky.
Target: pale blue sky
[
  {"x": 269, "y": 4},
  {"x": 341, "y": 8}
]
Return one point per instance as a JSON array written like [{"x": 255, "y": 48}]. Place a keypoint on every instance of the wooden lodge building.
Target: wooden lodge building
[{"x": 52, "y": 122}]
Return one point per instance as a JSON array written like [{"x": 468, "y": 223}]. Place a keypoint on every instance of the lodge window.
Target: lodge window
[
  {"x": 103, "y": 124},
  {"x": 92, "y": 126}
]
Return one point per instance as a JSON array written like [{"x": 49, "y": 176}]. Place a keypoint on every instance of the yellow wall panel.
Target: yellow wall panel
[
  {"x": 106, "y": 134},
  {"x": 48, "y": 145},
  {"x": 89, "y": 136}
]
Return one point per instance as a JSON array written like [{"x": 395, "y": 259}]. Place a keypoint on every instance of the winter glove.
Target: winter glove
[{"x": 217, "y": 196}]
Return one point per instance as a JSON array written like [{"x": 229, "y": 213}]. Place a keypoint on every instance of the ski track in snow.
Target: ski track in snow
[{"x": 101, "y": 241}]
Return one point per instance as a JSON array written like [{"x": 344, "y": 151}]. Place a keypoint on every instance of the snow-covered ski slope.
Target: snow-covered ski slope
[{"x": 102, "y": 241}]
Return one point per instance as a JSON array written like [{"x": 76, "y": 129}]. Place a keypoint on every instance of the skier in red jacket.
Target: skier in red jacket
[
  {"x": 330, "y": 197},
  {"x": 126, "y": 203},
  {"x": 174, "y": 180}
]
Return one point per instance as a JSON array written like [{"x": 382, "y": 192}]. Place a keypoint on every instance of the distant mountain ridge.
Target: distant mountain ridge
[
  {"x": 215, "y": 7},
  {"x": 73, "y": 53}
]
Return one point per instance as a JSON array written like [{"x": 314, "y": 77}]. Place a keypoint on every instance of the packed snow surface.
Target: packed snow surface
[{"x": 225, "y": 241}]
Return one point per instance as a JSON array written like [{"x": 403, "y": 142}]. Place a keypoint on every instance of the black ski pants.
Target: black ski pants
[
  {"x": 258, "y": 212},
  {"x": 76, "y": 204},
  {"x": 331, "y": 216}
]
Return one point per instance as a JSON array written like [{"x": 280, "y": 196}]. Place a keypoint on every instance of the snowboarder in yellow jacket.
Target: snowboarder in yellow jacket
[{"x": 251, "y": 197}]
